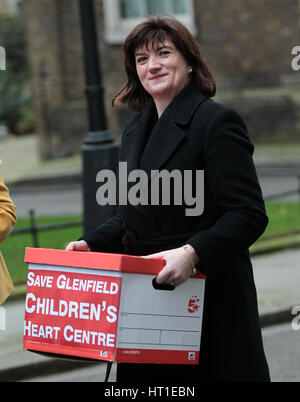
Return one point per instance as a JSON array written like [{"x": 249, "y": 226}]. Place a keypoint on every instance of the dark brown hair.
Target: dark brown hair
[{"x": 156, "y": 30}]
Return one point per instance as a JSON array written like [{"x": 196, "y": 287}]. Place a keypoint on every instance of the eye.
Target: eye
[
  {"x": 164, "y": 53},
  {"x": 141, "y": 59}
]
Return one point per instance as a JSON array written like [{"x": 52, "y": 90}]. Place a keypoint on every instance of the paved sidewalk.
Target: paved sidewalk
[
  {"x": 21, "y": 163},
  {"x": 277, "y": 277}
]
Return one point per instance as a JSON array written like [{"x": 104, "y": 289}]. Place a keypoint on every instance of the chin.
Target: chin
[{"x": 163, "y": 91}]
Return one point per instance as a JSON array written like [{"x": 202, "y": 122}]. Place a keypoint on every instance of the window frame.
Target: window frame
[{"x": 117, "y": 28}]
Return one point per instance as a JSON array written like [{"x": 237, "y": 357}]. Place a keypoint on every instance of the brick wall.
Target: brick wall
[
  {"x": 248, "y": 45},
  {"x": 249, "y": 42},
  {"x": 45, "y": 55}
]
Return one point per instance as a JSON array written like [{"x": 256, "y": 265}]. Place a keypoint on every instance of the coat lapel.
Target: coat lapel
[
  {"x": 167, "y": 135},
  {"x": 137, "y": 138},
  {"x": 170, "y": 130}
]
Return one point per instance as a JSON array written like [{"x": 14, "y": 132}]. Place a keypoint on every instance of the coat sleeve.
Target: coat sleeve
[
  {"x": 230, "y": 173},
  {"x": 107, "y": 238},
  {"x": 7, "y": 212}
]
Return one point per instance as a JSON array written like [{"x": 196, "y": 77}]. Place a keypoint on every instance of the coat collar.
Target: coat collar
[
  {"x": 184, "y": 105},
  {"x": 168, "y": 131}
]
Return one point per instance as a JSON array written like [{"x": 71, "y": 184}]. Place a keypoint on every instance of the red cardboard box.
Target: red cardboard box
[{"x": 104, "y": 306}]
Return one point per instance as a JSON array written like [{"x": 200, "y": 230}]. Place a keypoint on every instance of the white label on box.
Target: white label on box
[{"x": 160, "y": 319}]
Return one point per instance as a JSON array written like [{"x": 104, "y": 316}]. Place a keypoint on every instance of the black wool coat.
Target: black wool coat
[{"x": 197, "y": 133}]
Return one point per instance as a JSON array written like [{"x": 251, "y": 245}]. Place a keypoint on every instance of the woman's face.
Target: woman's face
[{"x": 162, "y": 70}]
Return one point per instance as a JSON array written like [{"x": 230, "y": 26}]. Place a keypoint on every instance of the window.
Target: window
[
  {"x": 11, "y": 6},
  {"x": 138, "y": 8},
  {"x": 122, "y": 15}
]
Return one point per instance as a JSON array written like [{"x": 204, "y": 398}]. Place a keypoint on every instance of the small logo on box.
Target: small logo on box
[
  {"x": 193, "y": 304},
  {"x": 103, "y": 353},
  {"x": 192, "y": 355}
]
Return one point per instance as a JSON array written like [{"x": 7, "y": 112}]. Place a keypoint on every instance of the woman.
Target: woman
[
  {"x": 178, "y": 126},
  {"x": 7, "y": 222}
]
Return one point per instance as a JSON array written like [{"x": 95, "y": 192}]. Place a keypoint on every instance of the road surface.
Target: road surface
[{"x": 68, "y": 200}]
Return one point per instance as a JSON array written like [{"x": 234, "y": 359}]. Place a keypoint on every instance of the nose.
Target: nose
[{"x": 154, "y": 64}]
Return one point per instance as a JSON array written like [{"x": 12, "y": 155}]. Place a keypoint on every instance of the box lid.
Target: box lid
[{"x": 97, "y": 260}]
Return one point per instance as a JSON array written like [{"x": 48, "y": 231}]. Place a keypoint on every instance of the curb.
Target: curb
[
  {"x": 276, "y": 317},
  {"x": 40, "y": 182},
  {"x": 32, "y": 370},
  {"x": 284, "y": 169}
]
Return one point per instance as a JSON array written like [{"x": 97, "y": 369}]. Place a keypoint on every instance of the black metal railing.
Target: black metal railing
[{"x": 34, "y": 229}]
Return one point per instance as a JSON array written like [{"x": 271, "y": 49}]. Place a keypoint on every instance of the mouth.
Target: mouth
[{"x": 156, "y": 77}]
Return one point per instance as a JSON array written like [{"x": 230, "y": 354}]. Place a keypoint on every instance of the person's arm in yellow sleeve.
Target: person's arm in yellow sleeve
[
  {"x": 7, "y": 222},
  {"x": 7, "y": 212}
]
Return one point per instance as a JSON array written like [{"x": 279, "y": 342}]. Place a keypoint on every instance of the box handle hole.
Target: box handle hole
[{"x": 163, "y": 286}]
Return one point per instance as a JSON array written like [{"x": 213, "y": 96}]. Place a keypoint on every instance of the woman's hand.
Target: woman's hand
[
  {"x": 178, "y": 266},
  {"x": 80, "y": 245}
]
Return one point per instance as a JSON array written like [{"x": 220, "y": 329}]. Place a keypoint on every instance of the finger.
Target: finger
[
  {"x": 78, "y": 246},
  {"x": 164, "y": 276},
  {"x": 81, "y": 246},
  {"x": 156, "y": 255},
  {"x": 70, "y": 247}
]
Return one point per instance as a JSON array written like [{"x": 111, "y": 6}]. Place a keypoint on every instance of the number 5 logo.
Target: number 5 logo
[{"x": 193, "y": 304}]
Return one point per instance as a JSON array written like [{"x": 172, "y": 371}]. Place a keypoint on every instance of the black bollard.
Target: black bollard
[
  {"x": 97, "y": 155},
  {"x": 99, "y": 151}
]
